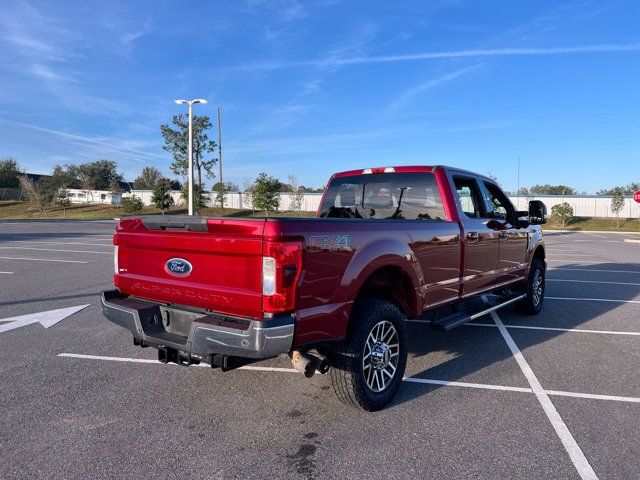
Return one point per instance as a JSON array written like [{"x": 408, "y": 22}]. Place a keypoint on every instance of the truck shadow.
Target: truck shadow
[{"x": 479, "y": 354}]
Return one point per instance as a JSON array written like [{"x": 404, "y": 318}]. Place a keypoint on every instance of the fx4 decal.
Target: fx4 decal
[{"x": 329, "y": 242}]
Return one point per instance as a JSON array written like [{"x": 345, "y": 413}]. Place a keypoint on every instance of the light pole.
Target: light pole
[{"x": 190, "y": 103}]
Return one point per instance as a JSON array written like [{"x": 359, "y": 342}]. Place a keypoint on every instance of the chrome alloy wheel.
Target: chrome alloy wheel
[
  {"x": 537, "y": 288},
  {"x": 380, "y": 356}
]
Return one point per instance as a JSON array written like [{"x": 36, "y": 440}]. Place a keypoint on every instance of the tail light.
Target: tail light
[
  {"x": 281, "y": 267},
  {"x": 115, "y": 258}
]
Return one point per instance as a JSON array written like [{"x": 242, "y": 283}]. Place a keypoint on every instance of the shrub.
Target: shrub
[
  {"x": 617, "y": 203},
  {"x": 266, "y": 193},
  {"x": 161, "y": 198},
  {"x": 563, "y": 212},
  {"x": 132, "y": 204}
]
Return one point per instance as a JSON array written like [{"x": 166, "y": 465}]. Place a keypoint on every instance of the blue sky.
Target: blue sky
[{"x": 314, "y": 87}]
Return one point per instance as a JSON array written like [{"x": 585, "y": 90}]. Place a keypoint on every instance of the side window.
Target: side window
[
  {"x": 469, "y": 196},
  {"x": 500, "y": 205},
  {"x": 384, "y": 196},
  {"x": 421, "y": 199}
]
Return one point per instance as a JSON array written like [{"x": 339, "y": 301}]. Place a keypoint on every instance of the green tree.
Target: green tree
[
  {"x": 97, "y": 175},
  {"x": 132, "y": 204},
  {"x": 629, "y": 189},
  {"x": 9, "y": 173},
  {"x": 60, "y": 179},
  {"x": 552, "y": 190},
  {"x": 563, "y": 212},
  {"x": 161, "y": 197},
  {"x": 148, "y": 179},
  {"x": 617, "y": 203},
  {"x": 266, "y": 193},
  {"x": 200, "y": 197},
  {"x": 115, "y": 188},
  {"x": 222, "y": 189},
  {"x": 176, "y": 141}
]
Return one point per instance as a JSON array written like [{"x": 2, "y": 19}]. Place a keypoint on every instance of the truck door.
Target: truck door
[
  {"x": 512, "y": 239},
  {"x": 480, "y": 241}
]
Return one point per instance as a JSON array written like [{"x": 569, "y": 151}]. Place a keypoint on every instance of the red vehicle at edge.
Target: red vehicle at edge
[{"x": 333, "y": 291}]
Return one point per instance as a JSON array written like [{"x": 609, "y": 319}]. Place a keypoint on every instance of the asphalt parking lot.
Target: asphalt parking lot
[{"x": 552, "y": 396}]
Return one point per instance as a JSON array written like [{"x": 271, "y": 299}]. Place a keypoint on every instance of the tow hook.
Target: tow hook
[
  {"x": 308, "y": 364},
  {"x": 170, "y": 355},
  {"x": 167, "y": 355}
]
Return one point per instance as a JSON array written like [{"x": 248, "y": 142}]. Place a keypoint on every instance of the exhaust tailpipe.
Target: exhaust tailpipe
[
  {"x": 304, "y": 363},
  {"x": 322, "y": 364},
  {"x": 308, "y": 364}
]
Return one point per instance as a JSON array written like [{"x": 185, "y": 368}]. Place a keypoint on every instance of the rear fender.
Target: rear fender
[{"x": 379, "y": 254}]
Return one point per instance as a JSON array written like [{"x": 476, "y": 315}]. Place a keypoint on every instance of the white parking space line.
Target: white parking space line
[
  {"x": 583, "y": 262},
  {"x": 144, "y": 360},
  {"x": 561, "y": 268},
  {"x": 426, "y": 381},
  {"x": 590, "y": 281},
  {"x": 613, "y": 398},
  {"x": 600, "y": 241},
  {"x": 43, "y": 259},
  {"x": 6, "y": 273},
  {"x": 29, "y": 242},
  {"x": 591, "y": 299},
  {"x": 593, "y": 235},
  {"x": 484, "y": 386},
  {"x": 571, "y": 446},
  {"x": 555, "y": 329},
  {"x": 55, "y": 250}
]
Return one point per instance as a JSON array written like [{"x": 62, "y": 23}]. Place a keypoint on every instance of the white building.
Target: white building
[{"x": 104, "y": 197}]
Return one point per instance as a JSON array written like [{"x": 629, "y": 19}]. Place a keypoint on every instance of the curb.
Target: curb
[
  {"x": 617, "y": 232},
  {"x": 54, "y": 220}
]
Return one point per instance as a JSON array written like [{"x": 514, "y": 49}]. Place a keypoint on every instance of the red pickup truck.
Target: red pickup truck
[{"x": 332, "y": 292}]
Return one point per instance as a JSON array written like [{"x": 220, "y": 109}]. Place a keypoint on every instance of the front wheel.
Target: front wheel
[
  {"x": 368, "y": 368},
  {"x": 534, "y": 288}
]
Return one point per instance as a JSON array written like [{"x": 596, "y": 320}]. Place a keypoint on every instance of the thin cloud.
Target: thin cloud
[
  {"x": 404, "y": 98},
  {"x": 125, "y": 147},
  {"x": 449, "y": 54}
]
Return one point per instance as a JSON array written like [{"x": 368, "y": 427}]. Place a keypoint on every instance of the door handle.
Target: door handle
[
  {"x": 503, "y": 235},
  {"x": 473, "y": 237}
]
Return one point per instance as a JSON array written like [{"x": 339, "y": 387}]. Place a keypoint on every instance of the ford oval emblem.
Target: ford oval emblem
[{"x": 178, "y": 267}]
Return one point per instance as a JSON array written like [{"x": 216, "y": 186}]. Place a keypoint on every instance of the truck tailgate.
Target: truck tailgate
[{"x": 211, "y": 263}]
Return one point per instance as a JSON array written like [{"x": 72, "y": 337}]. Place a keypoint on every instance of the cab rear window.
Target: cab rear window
[{"x": 403, "y": 196}]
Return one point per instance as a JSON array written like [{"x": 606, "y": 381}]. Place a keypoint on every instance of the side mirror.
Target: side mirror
[
  {"x": 522, "y": 219},
  {"x": 537, "y": 212}
]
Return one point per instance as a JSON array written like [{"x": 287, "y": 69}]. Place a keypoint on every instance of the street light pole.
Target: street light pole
[
  {"x": 190, "y": 104},
  {"x": 190, "y": 158},
  {"x": 220, "y": 157}
]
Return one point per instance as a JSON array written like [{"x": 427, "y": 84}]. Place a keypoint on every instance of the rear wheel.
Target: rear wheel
[
  {"x": 368, "y": 368},
  {"x": 534, "y": 288}
]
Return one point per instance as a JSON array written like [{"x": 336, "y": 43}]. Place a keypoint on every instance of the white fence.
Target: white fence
[{"x": 583, "y": 205}]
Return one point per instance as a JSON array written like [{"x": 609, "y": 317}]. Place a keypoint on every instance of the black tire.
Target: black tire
[
  {"x": 350, "y": 376},
  {"x": 534, "y": 288}
]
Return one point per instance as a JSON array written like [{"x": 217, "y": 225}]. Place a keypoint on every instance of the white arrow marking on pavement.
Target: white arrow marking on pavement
[{"x": 47, "y": 319}]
